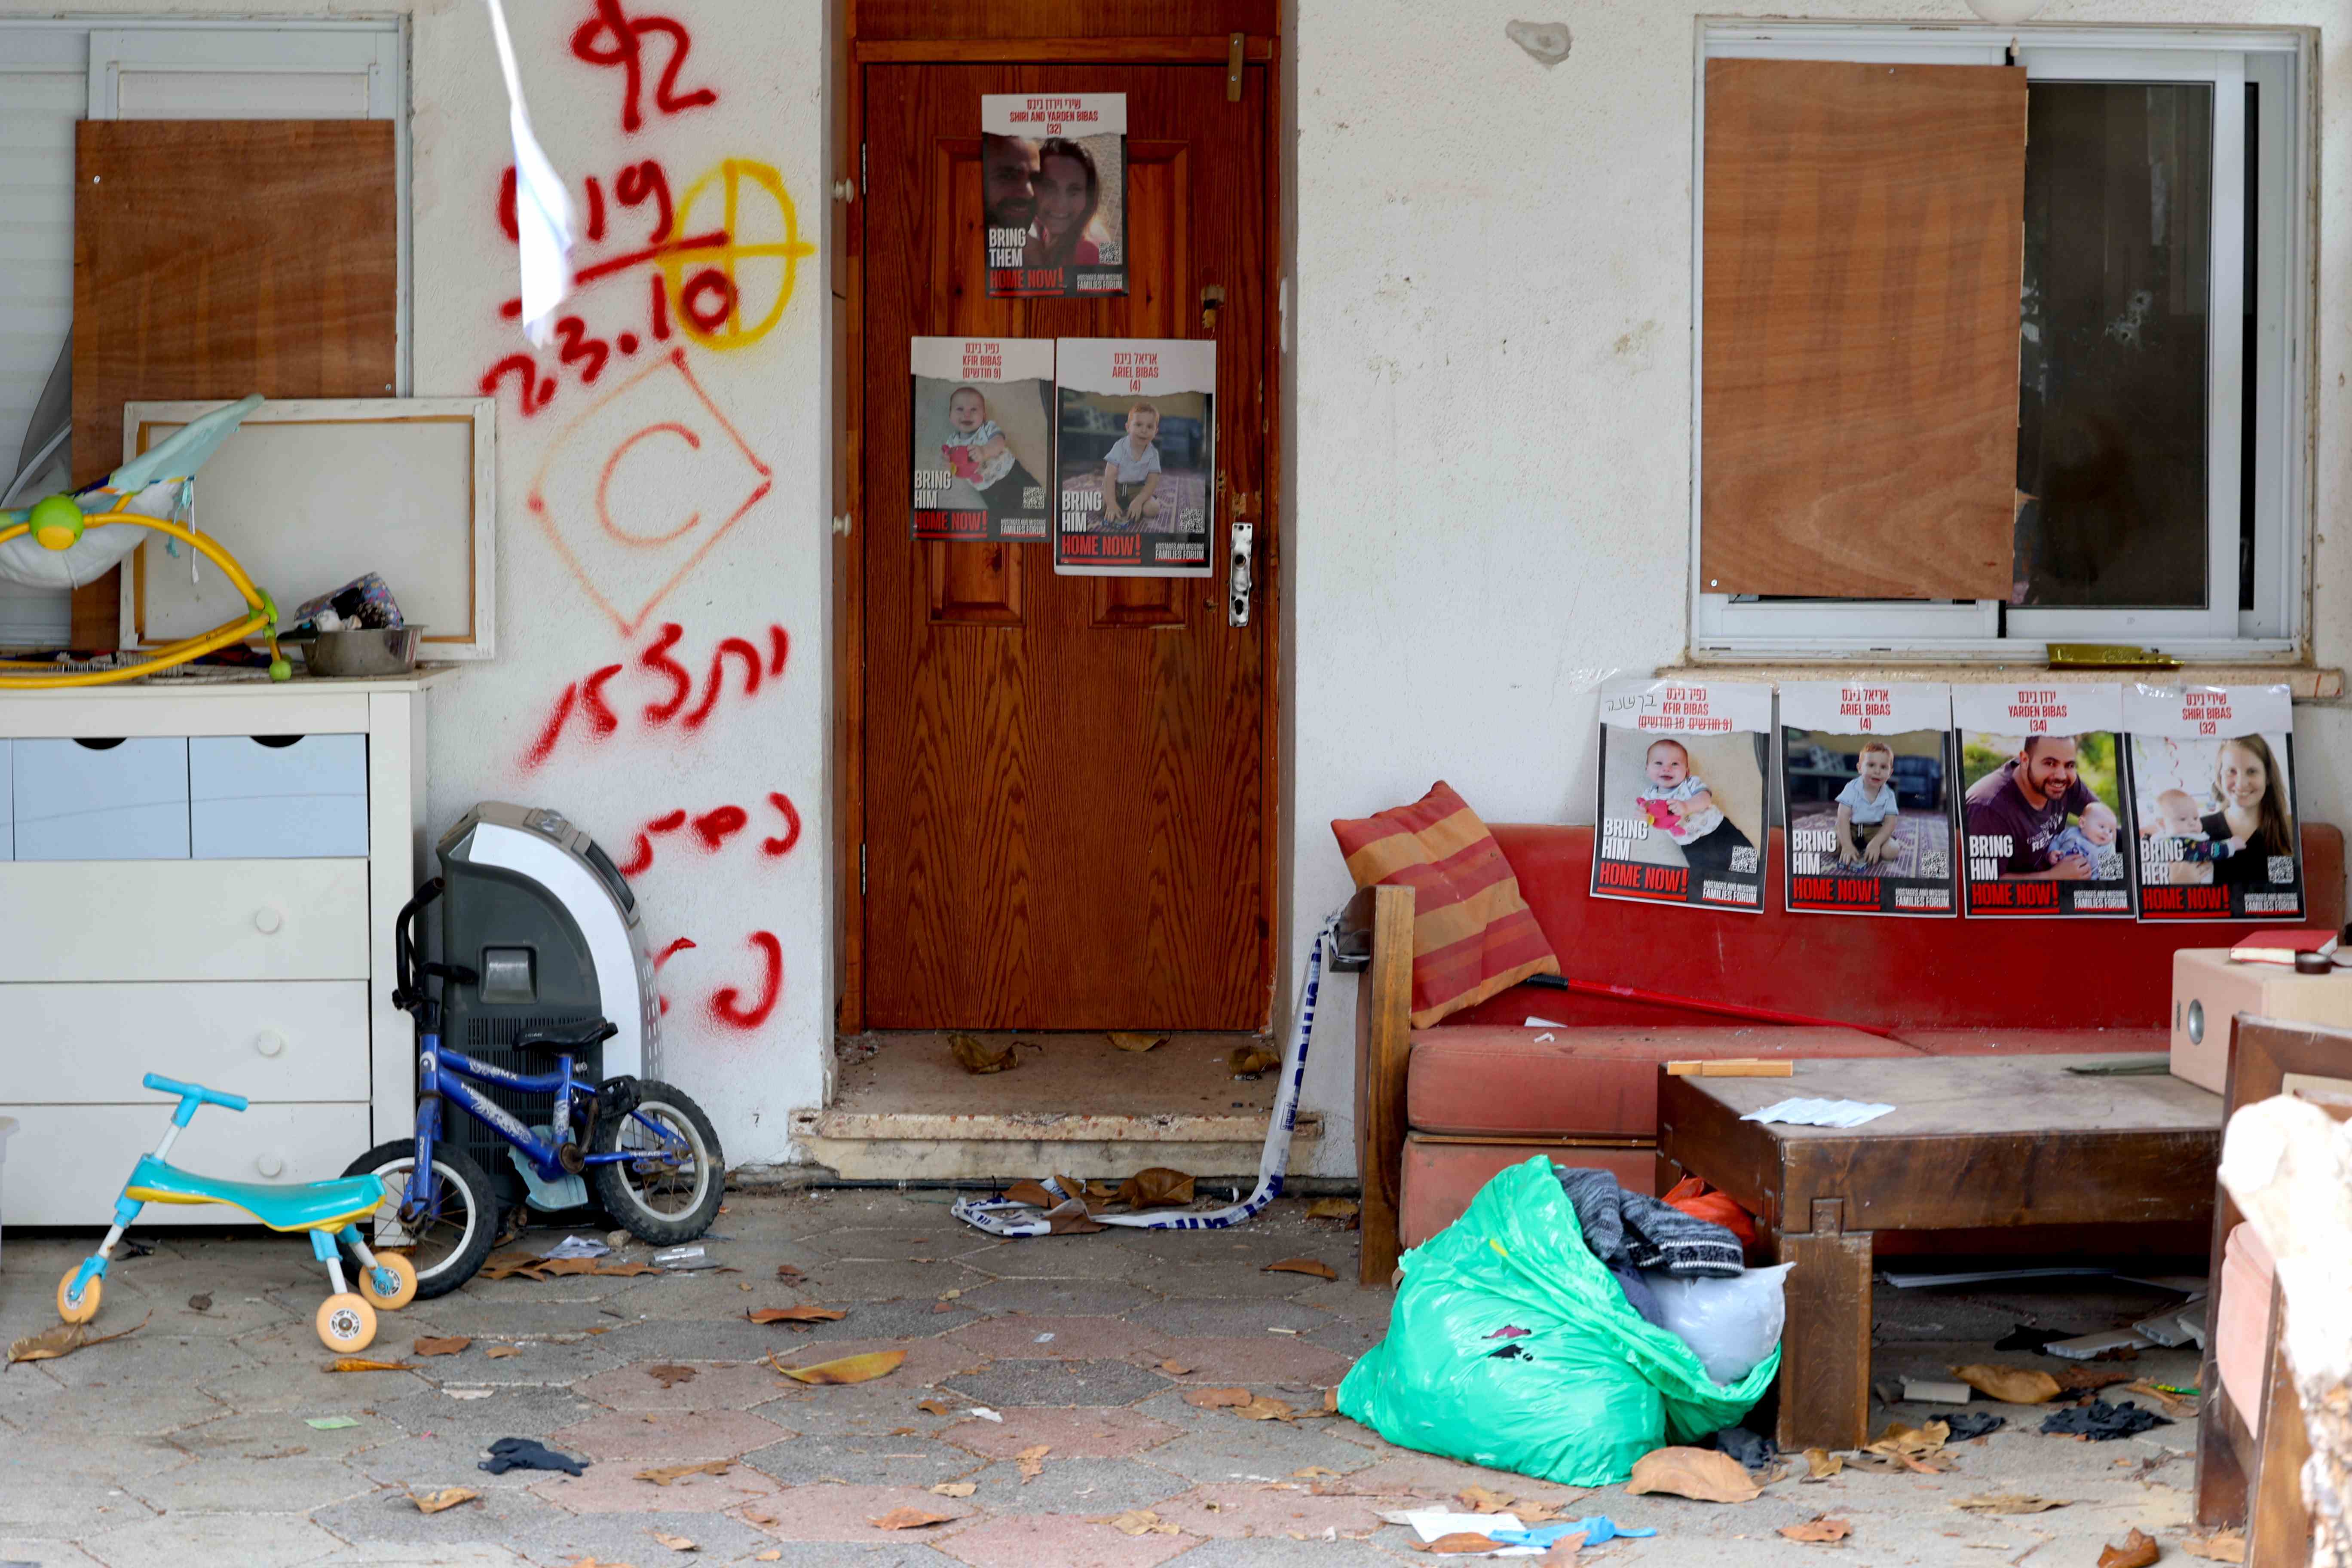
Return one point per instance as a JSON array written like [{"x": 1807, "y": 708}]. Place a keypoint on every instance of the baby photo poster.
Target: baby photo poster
[
  {"x": 2212, "y": 770},
  {"x": 1136, "y": 452},
  {"x": 983, "y": 432},
  {"x": 1683, "y": 793},
  {"x": 2041, "y": 802},
  {"x": 1054, "y": 193},
  {"x": 1866, "y": 776}
]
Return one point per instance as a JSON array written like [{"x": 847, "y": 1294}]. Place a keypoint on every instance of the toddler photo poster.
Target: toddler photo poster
[
  {"x": 1137, "y": 450},
  {"x": 1682, "y": 793},
  {"x": 983, "y": 425},
  {"x": 1054, "y": 193},
  {"x": 1865, "y": 776},
  {"x": 2042, "y": 800},
  {"x": 2213, "y": 793}
]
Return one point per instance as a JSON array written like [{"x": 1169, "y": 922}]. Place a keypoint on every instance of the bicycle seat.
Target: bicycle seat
[
  {"x": 305, "y": 1206},
  {"x": 562, "y": 1038}
]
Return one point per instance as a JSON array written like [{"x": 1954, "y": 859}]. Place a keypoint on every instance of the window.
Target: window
[
  {"x": 2159, "y": 496},
  {"x": 54, "y": 73}
]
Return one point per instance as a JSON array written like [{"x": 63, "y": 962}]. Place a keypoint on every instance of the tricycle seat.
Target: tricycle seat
[{"x": 307, "y": 1205}]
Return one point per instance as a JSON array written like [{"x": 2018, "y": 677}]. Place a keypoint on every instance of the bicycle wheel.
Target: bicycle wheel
[
  {"x": 450, "y": 1244},
  {"x": 669, "y": 1189}
]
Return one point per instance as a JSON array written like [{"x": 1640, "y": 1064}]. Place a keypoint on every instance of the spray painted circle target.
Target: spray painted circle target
[{"x": 731, "y": 295}]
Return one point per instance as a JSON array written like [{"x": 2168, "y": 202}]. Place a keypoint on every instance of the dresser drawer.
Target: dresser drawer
[
  {"x": 185, "y": 920},
  {"x": 7, "y": 799},
  {"x": 300, "y": 797},
  {"x": 102, "y": 800},
  {"x": 67, "y": 1163},
  {"x": 264, "y": 1039}
]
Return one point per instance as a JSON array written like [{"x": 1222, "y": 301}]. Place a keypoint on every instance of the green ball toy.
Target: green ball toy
[{"x": 57, "y": 522}]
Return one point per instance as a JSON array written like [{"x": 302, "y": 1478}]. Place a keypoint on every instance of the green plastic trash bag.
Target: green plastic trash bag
[{"x": 1588, "y": 1388}]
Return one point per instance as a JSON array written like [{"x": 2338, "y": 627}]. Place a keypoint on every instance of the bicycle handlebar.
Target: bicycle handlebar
[{"x": 193, "y": 1094}]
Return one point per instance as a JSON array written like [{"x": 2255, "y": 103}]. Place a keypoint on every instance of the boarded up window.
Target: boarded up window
[{"x": 1863, "y": 239}]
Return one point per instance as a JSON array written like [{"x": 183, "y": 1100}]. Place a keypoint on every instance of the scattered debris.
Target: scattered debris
[
  {"x": 956, "y": 1489},
  {"x": 666, "y": 1474},
  {"x": 2222, "y": 1546},
  {"x": 1754, "y": 1452},
  {"x": 1967, "y": 1424},
  {"x": 524, "y": 1454},
  {"x": 1032, "y": 1462},
  {"x": 528, "y": 1266},
  {"x": 2136, "y": 1550},
  {"x": 201, "y": 1302},
  {"x": 1315, "y": 1267},
  {"x": 328, "y": 1422},
  {"x": 577, "y": 1246},
  {"x": 670, "y": 1376},
  {"x": 447, "y": 1498},
  {"x": 2088, "y": 1379},
  {"x": 1345, "y": 1210},
  {"x": 1136, "y": 1522},
  {"x": 974, "y": 1057},
  {"x": 1936, "y": 1390},
  {"x": 64, "y": 1340},
  {"x": 1820, "y": 1530},
  {"x": 679, "y": 1261},
  {"x": 799, "y": 1314},
  {"x": 2011, "y": 1503},
  {"x": 2171, "y": 1404},
  {"x": 2084, "y": 1347},
  {"x": 360, "y": 1363},
  {"x": 1127, "y": 1041},
  {"x": 909, "y": 1519},
  {"x": 2010, "y": 1385},
  {"x": 1702, "y": 1474},
  {"x": 848, "y": 1369},
  {"x": 1821, "y": 1464},
  {"x": 2100, "y": 1421},
  {"x": 447, "y": 1344},
  {"x": 1250, "y": 1060},
  {"x": 985, "y": 1414}
]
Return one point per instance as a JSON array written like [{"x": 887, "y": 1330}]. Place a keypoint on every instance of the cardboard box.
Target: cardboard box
[{"x": 2208, "y": 991}]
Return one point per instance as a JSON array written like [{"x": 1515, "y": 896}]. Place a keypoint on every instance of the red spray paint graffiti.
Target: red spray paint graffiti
[
  {"x": 727, "y": 1004},
  {"x": 585, "y": 700},
  {"x": 714, "y": 828},
  {"x": 611, "y": 37}
]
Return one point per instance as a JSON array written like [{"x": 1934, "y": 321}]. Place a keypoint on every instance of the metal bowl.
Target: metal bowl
[{"x": 364, "y": 650}]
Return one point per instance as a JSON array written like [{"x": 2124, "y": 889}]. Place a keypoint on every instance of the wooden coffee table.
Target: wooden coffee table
[{"x": 1973, "y": 1141}]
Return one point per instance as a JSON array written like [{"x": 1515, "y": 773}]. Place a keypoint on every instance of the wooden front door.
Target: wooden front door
[{"x": 1066, "y": 779}]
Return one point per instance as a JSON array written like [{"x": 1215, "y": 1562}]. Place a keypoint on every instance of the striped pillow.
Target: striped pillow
[{"x": 1473, "y": 935}]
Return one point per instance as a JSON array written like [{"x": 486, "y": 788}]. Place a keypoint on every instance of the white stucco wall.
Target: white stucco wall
[{"x": 1492, "y": 337}]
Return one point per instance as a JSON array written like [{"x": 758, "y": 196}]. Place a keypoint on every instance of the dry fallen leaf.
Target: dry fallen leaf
[
  {"x": 1704, "y": 1474},
  {"x": 1319, "y": 1269},
  {"x": 1822, "y": 1464},
  {"x": 1216, "y": 1398},
  {"x": 974, "y": 1057},
  {"x": 1333, "y": 1208},
  {"x": 1478, "y": 1500},
  {"x": 935, "y": 1407},
  {"x": 773, "y": 1555},
  {"x": 956, "y": 1489},
  {"x": 2010, "y": 1503},
  {"x": 1820, "y": 1530},
  {"x": 668, "y": 1473},
  {"x": 1899, "y": 1440},
  {"x": 1311, "y": 1472},
  {"x": 1032, "y": 1462},
  {"x": 1071, "y": 1219},
  {"x": 2077, "y": 1378},
  {"x": 848, "y": 1369},
  {"x": 1331, "y": 1400},
  {"x": 675, "y": 1542},
  {"x": 787, "y": 1272},
  {"x": 2136, "y": 1550},
  {"x": 1156, "y": 1187},
  {"x": 63, "y": 1340},
  {"x": 1248, "y": 1061},
  {"x": 1136, "y": 1522},
  {"x": 801, "y": 1314},
  {"x": 1127, "y": 1041},
  {"x": 1032, "y": 1193},
  {"x": 448, "y": 1497},
  {"x": 500, "y": 1353},
  {"x": 2222, "y": 1546},
  {"x": 908, "y": 1519},
  {"x": 360, "y": 1364},
  {"x": 670, "y": 1376},
  {"x": 1174, "y": 1368},
  {"x": 1563, "y": 1551},
  {"x": 449, "y": 1344},
  {"x": 1265, "y": 1407},
  {"x": 2011, "y": 1385},
  {"x": 1461, "y": 1542}
]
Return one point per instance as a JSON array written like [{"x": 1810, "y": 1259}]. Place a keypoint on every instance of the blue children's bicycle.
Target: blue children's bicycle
[
  {"x": 329, "y": 1211},
  {"x": 648, "y": 1152}
]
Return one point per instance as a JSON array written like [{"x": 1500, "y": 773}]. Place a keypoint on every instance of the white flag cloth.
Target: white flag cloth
[{"x": 543, "y": 223}]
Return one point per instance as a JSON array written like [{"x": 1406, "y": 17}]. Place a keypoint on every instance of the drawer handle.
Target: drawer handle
[
  {"x": 270, "y": 1165},
  {"x": 269, "y": 1042},
  {"x": 266, "y": 920}
]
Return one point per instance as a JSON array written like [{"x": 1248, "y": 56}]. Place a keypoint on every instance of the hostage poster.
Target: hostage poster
[
  {"x": 1054, "y": 193},
  {"x": 1865, "y": 776},
  {"x": 1682, "y": 793},
  {"x": 983, "y": 432},
  {"x": 1137, "y": 450},
  {"x": 2041, "y": 801},
  {"x": 2213, "y": 790}
]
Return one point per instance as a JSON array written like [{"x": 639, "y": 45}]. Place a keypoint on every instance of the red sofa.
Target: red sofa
[{"x": 1439, "y": 1110}]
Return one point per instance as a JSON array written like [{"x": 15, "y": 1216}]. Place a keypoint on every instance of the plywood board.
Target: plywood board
[
  {"x": 1864, "y": 250},
  {"x": 310, "y": 493}
]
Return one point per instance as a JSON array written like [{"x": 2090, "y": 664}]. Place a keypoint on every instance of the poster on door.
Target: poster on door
[
  {"x": 983, "y": 432},
  {"x": 1054, "y": 193},
  {"x": 1137, "y": 456},
  {"x": 2212, "y": 770},
  {"x": 2041, "y": 801},
  {"x": 1866, "y": 784},
  {"x": 1682, "y": 768}
]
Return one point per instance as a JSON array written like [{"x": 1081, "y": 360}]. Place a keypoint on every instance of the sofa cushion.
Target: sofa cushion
[
  {"x": 1472, "y": 934},
  {"x": 1441, "y": 1178},
  {"x": 1488, "y": 1081}
]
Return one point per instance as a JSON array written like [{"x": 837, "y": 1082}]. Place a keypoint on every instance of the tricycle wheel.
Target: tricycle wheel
[
  {"x": 83, "y": 1308},
  {"x": 345, "y": 1323},
  {"x": 404, "y": 1275}
]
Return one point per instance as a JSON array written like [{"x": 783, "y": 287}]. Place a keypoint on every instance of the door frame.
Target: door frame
[{"x": 1269, "y": 584}]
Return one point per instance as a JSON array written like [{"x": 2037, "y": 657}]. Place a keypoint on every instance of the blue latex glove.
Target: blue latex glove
[{"x": 1597, "y": 1528}]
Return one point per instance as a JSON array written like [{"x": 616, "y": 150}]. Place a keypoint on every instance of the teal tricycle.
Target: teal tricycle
[{"x": 328, "y": 1210}]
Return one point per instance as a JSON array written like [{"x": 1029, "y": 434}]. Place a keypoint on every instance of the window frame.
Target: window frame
[{"x": 2281, "y": 62}]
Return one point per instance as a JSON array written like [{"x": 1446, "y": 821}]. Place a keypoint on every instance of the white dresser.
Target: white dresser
[{"x": 200, "y": 880}]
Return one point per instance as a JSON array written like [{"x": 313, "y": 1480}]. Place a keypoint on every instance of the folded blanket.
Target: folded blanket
[{"x": 1634, "y": 1230}]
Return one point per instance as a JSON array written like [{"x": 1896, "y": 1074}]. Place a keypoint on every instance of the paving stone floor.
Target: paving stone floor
[{"x": 188, "y": 1442}]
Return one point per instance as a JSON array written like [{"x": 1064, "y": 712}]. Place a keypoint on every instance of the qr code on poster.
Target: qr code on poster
[
  {"x": 1744, "y": 860},
  {"x": 1936, "y": 858},
  {"x": 2281, "y": 869}
]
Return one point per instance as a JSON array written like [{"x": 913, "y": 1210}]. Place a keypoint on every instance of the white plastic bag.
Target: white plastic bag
[{"x": 1729, "y": 1324}]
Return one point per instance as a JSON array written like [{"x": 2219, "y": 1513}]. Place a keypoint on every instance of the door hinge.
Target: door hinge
[
  {"x": 1234, "y": 46},
  {"x": 861, "y": 870}
]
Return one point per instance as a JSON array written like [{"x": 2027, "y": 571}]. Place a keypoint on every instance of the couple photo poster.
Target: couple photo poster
[
  {"x": 1054, "y": 193},
  {"x": 2212, "y": 791}
]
